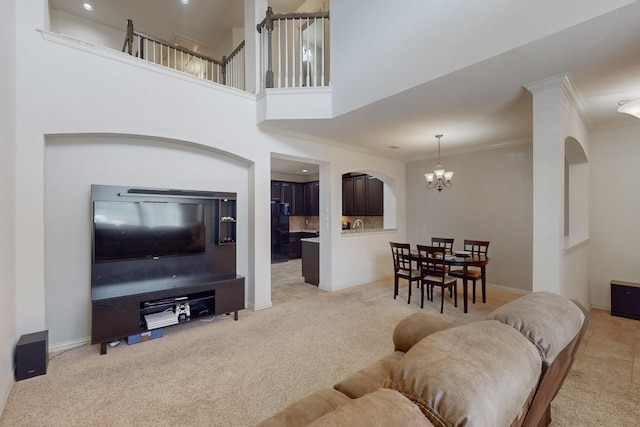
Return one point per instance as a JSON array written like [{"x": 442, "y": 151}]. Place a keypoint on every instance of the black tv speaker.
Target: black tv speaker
[{"x": 32, "y": 355}]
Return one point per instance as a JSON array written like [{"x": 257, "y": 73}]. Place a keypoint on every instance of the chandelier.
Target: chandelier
[{"x": 439, "y": 179}]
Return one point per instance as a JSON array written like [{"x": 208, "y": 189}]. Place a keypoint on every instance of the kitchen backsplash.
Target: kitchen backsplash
[
  {"x": 369, "y": 221},
  {"x": 304, "y": 223}
]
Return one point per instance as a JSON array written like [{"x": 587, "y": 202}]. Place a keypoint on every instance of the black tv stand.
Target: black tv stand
[{"x": 118, "y": 314}]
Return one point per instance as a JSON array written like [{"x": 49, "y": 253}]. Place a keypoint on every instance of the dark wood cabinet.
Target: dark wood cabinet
[
  {"x": 294, "y": 245},
  {"x": 375, "y": 204},
  {"x": 625, "y": 299},
  {"x": 312, "y": 198},
  {"x": 287, "y": 193},
  {"x": 297, "y": 199},
  {"x": 276, "y": 190},
  {"x": 303, "y": 198},
  {"x": 311, "y": 262},
  {"x": 347, "y": 196},
  {"x": 362, "y": 195},
  {"x": 118, "y": 313}
]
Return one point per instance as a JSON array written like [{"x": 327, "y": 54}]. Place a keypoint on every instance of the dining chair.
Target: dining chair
[
  {"x": 476, "y": 247},
  {"x": 443, "y": 242},
  {"x": 432, "y": 263},
  {"x": 402, "y": 267}
]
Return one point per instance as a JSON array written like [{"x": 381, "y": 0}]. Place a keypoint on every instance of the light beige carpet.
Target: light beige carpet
[{"x": 228, "y": 373}]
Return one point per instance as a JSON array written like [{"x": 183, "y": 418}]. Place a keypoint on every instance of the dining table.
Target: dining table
[{"x": 465, "y": 260}]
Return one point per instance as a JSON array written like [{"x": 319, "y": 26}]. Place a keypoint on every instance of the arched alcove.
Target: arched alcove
[{"x": 576, "y": 192}]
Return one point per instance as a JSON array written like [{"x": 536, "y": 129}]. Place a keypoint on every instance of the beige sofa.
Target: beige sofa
[{"x": 502, "y": 371}]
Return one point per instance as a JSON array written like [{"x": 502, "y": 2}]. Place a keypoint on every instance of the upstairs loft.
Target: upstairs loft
[{"x": 291, "y": 78}]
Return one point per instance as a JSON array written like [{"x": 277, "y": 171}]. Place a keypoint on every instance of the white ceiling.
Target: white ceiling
[{"x": 476, "y": 107}]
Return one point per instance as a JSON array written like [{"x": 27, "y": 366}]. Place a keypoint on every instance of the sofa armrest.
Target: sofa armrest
[
  {"x": 548, "y": 320},
  {"x": 415, "y": 327},
  {"x": 482, "y": 372}
]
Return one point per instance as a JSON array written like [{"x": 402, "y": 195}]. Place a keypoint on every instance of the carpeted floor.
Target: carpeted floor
[{"x": 227, "y": 373}]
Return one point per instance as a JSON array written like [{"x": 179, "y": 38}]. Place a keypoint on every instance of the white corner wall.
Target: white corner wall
[
  {"x": 615, "y": 210},
  {"x": 422, "y": 37},
  {"x": 8, "y": 335},
  {"x": 491, "y": 199}
]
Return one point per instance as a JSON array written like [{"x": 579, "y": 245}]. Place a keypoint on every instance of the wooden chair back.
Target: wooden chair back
[
  {"x": 401, "y": 256},
  {"x": 476, "y": 247},
  {"x": 443, "y": 242},
  {"x": 431, "y": 261}
]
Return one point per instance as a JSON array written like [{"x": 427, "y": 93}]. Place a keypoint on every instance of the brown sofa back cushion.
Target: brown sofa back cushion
[
  {"x": 383, "y": 407},
  {"x": 548, "y": 320},
  {"x": 308, "y": 409},
  {"x": 479, "y": 374}
]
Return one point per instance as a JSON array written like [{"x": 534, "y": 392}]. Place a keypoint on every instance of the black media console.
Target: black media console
[
  {"x": 156, "y": 252},
  {"x": 116, "y": 314}
]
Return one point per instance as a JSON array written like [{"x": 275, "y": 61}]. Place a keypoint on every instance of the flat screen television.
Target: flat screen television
[{"x": 137, "y": 230}]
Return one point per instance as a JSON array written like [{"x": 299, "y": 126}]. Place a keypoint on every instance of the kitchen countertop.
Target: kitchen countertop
[
  {"x": 366, "y": 230},
  {"x": 311, "y": 240},
  {"x": 304, "y": 231}
]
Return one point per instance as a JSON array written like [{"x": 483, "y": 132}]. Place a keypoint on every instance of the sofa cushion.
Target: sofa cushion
[
  {"x": 479, "y": 374},
  {"x": 370, "y": 378},
  {"x": 307, "y": 409},
  {"x": 416, "y": 326},
  {"x": 548, "y": 320},
  {"x": 383, "y": 407}
]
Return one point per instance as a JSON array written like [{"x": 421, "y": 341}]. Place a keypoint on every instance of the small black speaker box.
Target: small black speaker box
[{"x": 32, "y": 355}]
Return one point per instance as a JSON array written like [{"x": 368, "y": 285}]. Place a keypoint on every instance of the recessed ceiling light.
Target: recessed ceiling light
[
  {"x": 304, "y": 171},
  {"x": 185, "y": 1},
  {"x": 87, "y": 6}
]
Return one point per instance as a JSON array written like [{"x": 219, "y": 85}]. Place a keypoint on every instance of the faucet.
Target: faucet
[{"x": 356, "y": 222}]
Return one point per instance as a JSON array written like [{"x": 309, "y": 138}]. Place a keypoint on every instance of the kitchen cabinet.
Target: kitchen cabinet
[
  {"x": 375, "y": 202},
  {"x": 312, "y": 198},
  {"x": 297, "y": 199},
  {"x": 311, "y": 261},
  {"x": 362, "y": 195},
  {"x": 303, "y": 197},
  {"x": 295, "y": 247},
  {"x": 347, "y": 196}
]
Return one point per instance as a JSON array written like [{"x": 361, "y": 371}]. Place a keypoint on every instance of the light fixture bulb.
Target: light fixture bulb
[{"x": 87, "y": 6}]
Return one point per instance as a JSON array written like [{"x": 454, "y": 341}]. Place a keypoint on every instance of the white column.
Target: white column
[
  {"x": 254, "y": 12},
  {"x": 548, "y": 183}
]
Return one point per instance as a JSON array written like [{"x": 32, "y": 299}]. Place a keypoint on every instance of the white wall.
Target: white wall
[
  {"x": 65, "y": 23},
  {"x": 615, "y": 210},
  {"x": 8, "y": 336},
  {"x": 491, "y": 199},
  {"x": 483, "y": 30}
]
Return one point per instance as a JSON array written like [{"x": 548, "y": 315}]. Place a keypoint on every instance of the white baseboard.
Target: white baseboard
[
  {"x": 67, "y": 345},
  {"x": 507, "y": 289}
]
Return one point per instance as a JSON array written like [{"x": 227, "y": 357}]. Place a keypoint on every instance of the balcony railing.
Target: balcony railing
[
  {"x": 229, "y": 71},
  {"x": 294, "y": 50}
]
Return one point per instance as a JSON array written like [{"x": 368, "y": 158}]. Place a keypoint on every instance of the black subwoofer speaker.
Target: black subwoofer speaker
[{"x": 32, "y": 355}]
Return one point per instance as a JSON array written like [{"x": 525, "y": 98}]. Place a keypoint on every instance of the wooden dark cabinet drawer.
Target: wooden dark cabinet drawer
[
  {"x": 625, "y": 299},
  {"x": 230, "y": 298},
  {"x": 111, "y": 320}
]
